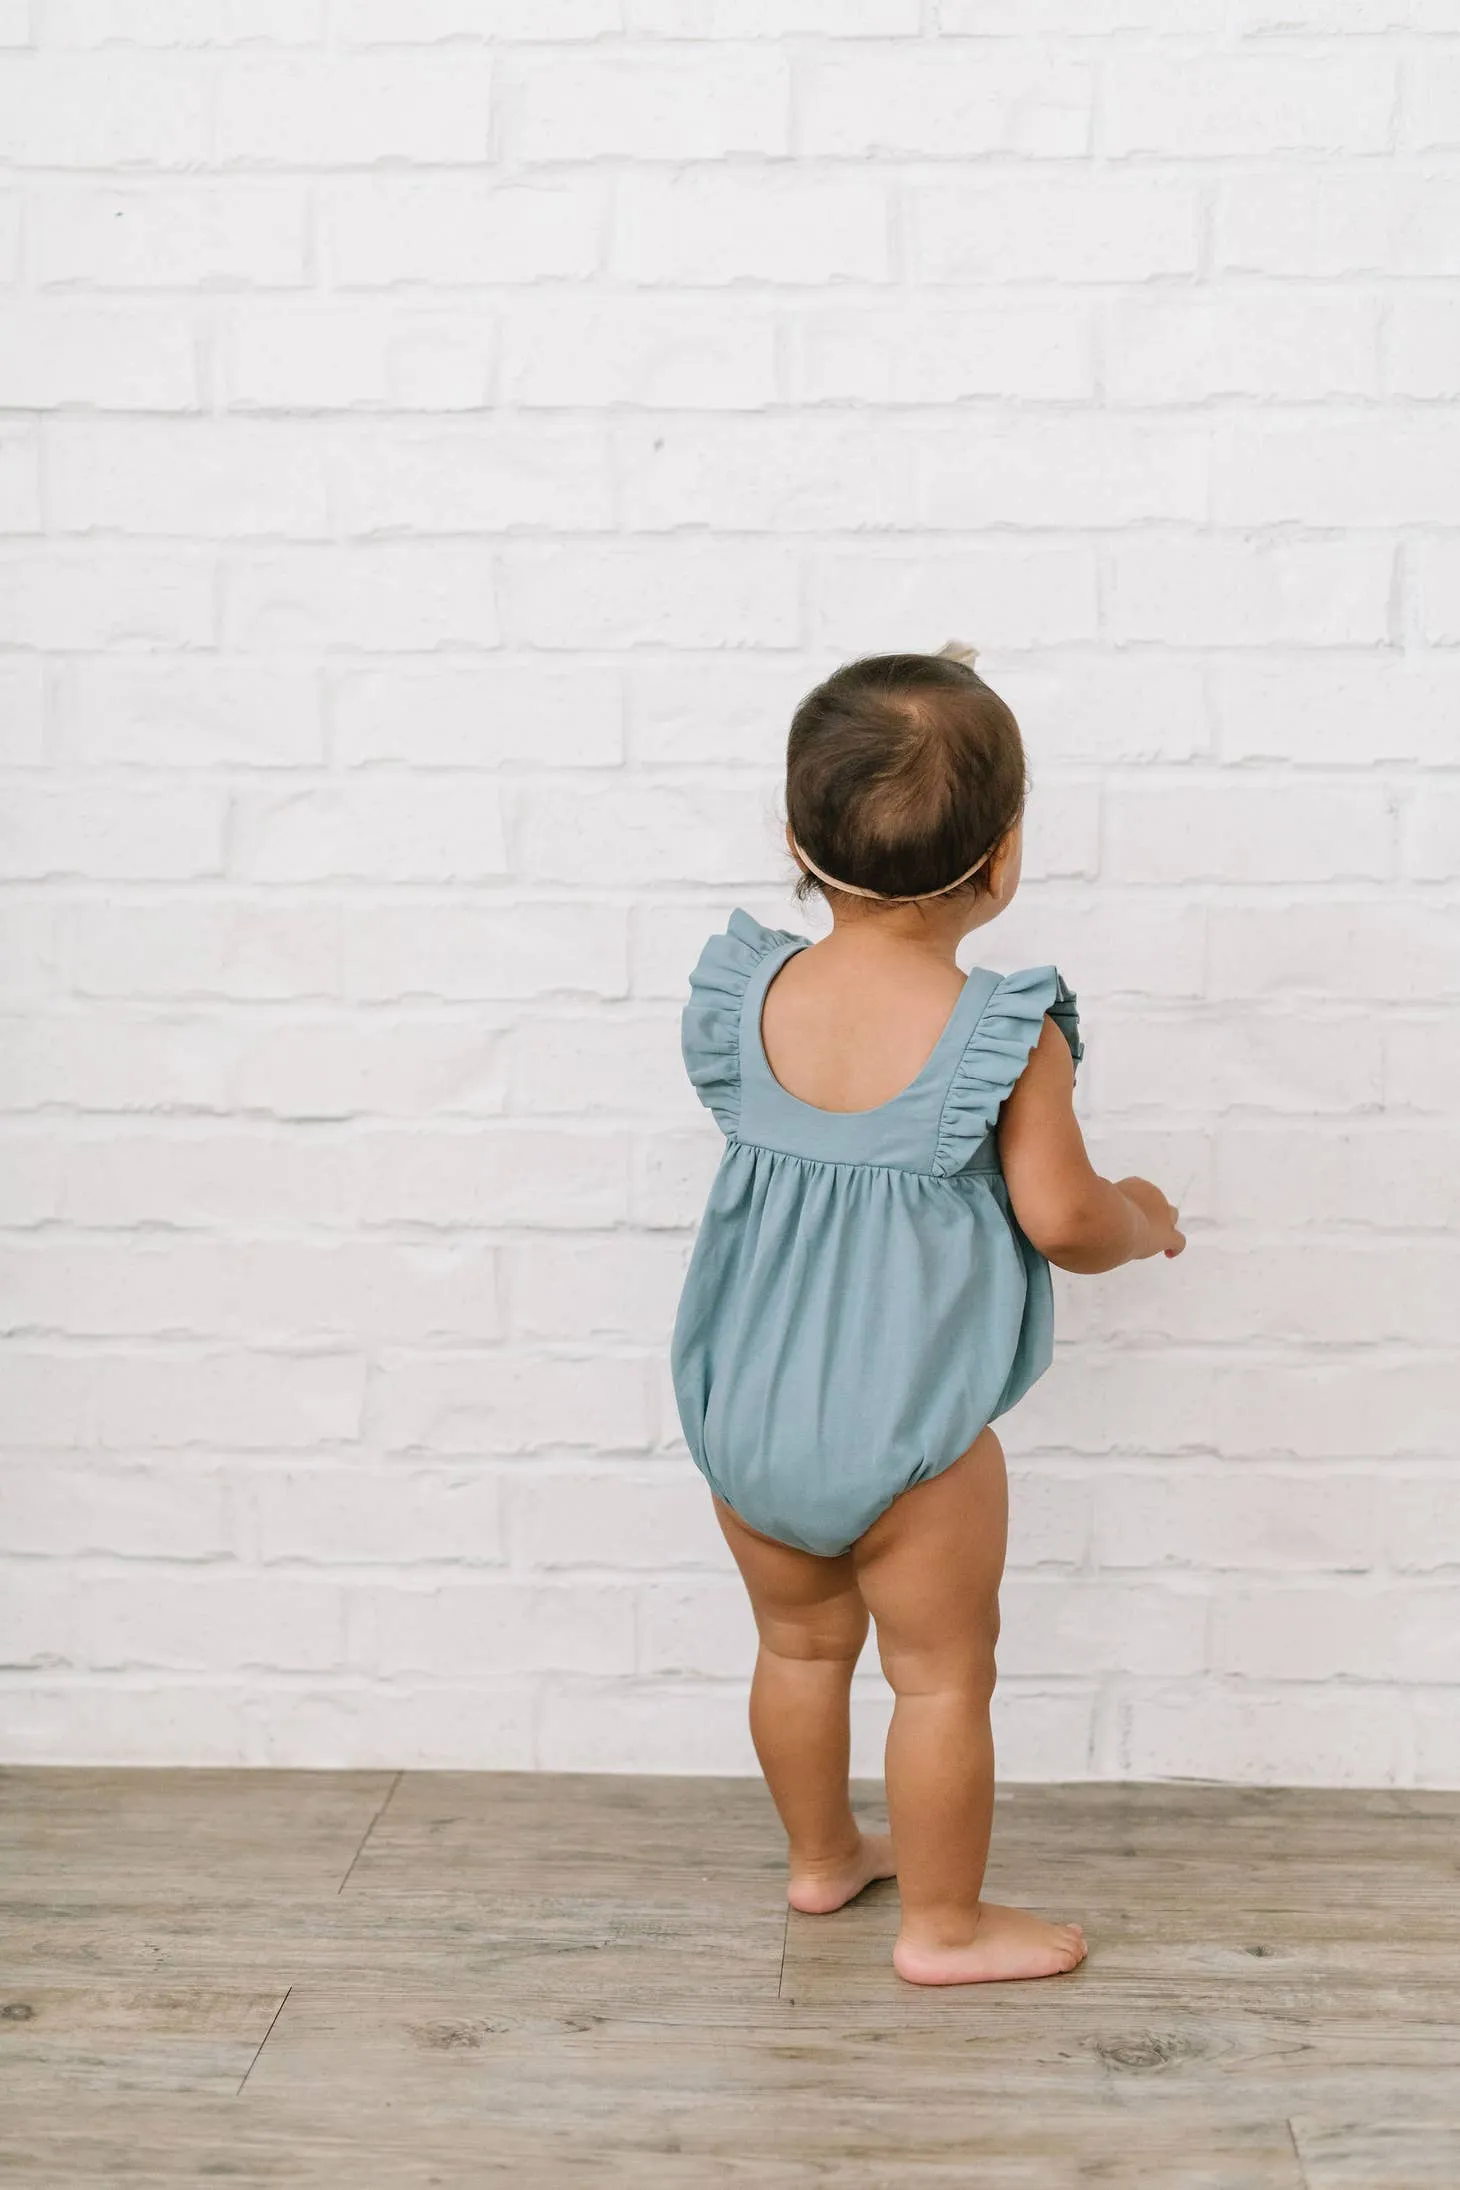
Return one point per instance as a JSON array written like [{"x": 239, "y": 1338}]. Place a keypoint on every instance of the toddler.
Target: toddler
[{"x": 870, "y": 1286}]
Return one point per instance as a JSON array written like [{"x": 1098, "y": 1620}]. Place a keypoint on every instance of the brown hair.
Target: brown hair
[{"x": 901, "y": 770}]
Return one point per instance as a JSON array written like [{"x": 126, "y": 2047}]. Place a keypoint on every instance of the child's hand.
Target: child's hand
[{"x": 1159, "y": 1219}]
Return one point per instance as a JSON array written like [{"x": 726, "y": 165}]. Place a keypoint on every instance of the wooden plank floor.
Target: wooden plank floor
[{"x": 365, "y": 1978}]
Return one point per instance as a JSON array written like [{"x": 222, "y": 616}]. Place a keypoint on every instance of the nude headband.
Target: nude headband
[
  {"x": 957, "y": 651},
  {"x": 915, "y": 897}
]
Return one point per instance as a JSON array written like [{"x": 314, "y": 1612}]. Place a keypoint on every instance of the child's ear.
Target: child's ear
[{"x": 1005, "y": 863}]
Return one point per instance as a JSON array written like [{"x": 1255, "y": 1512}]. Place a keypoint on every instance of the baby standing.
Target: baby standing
[{"x": 870, "y": 1289}]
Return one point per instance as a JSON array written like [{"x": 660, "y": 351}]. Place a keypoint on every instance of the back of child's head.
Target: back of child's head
[{"x": 902, "y": 770}]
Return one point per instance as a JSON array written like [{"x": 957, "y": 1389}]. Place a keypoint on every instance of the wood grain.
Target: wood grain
[
  {"x": 1397, "y": 2154},
  {"x": 94, "y": 1832},
  {"x": 288, "y": 1978},
  {"x": 261, "y": 2144},
  {"x": 131, "y": 2037},
  {"x": 684, "y": 1838}
]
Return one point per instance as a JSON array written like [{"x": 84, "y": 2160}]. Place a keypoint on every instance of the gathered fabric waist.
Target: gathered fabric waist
[{"x": 978, "y": 1167}]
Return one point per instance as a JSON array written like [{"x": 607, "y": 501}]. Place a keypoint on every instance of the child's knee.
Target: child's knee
[
  {"x": 964, "y": 1659},
  {"x": 831, "y": 1633}
]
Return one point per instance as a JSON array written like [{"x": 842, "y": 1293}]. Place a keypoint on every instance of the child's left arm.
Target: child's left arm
[{"x": 1078, "y": 1220}]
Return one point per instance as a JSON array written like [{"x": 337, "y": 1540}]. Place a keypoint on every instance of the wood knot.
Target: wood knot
[{"x": 1152, "y": 2050}]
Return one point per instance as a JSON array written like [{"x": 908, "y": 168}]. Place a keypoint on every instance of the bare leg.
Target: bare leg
[
  {"x": 812, "y": 1624},
  {"x": 929, "y": 1569}
]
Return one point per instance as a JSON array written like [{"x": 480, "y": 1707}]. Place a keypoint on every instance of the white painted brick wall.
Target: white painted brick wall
[{"x": 439, "y": 441}]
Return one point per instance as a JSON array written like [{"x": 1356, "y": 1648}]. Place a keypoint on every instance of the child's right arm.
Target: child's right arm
[{"x": 1076, "y": 1219}]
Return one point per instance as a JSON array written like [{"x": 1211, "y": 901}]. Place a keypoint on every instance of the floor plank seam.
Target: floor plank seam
[
  {"x": 573, "y": 1968},
  {"x": 385, "y": 1805},
  {"x": 1297, "y": 2154},
  {"x": 238, "y": 2094}
]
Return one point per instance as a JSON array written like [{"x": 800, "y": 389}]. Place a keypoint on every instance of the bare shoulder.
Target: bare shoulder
[
  {"x": 874, "y": 1002},
  {"x": 845, "y": 1033},
  {"x": 1049, "y": 1076}
]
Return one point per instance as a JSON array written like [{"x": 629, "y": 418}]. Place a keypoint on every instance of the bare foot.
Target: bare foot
[
  {"x": 1007, "y": 1943},
  {"x": 817, "y": 1891}
]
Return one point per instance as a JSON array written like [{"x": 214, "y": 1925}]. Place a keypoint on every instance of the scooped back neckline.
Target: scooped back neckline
[
  {"x": 925, "y": 1076},
  {"x": 940, "y": 1124}
]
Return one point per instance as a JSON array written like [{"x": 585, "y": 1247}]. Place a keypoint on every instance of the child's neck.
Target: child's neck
[{"x": 878, "y": 934}]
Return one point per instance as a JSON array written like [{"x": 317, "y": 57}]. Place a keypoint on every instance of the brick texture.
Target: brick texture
[{"x": 438, "y": 445}]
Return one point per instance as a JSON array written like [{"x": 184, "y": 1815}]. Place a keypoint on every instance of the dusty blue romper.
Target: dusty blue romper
[{"x": 860, "y": 1301}]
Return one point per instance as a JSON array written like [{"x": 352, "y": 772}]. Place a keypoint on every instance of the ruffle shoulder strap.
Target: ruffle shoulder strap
[
  {"x": 996, "y": 1053},
  {"x": 710, "y": 1021}
]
